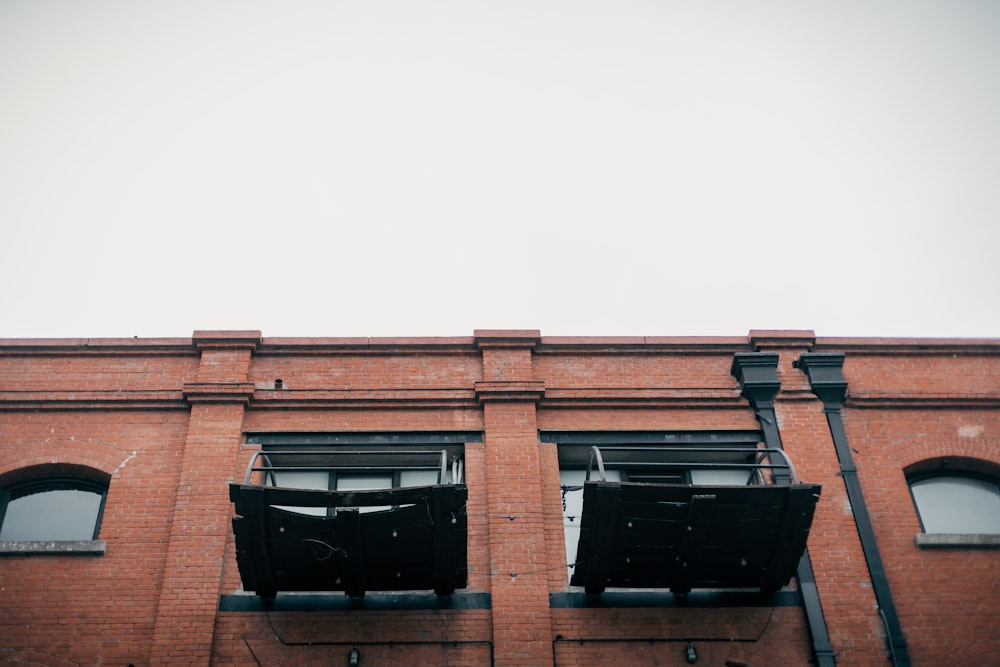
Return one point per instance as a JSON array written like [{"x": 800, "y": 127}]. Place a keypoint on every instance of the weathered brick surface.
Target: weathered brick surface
[
  {"x": 166, "y": 420},
  {"x": 379, "y": 370},
  {"x": 185, "y": 616},
  {"x": 82, "y": 608},
  {"x": 756, "y": 636},
  {"x": 384, "y": 638},
  {"x": 948, "y": 599}
]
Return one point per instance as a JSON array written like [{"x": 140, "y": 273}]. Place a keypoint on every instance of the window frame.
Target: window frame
[
  {"x": 39, "y": 482},
  {"x": 363, "y": 468},
  {"x": 950, "y": 538},
  {"x": 362, "y": 452}
]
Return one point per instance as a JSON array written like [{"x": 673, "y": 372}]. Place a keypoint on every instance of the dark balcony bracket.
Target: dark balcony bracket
[
  {"x": 350, "y": 551},
  {"x": 603, "y": 523},
  {"x": 415, "y": 540},
  {"x": 680, "y": 537},
  {"x": 826, "y": 377},
  {"x": 693, "y": 542},
  {"x": 757, "y": 373}
]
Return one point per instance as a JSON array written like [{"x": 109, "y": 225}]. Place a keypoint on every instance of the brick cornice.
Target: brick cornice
[
  {"x": 910, "y": 346},
  {"x": 509, "y": 338},
  {"x": 913, "y": 401},
  {"x": 766, "y": 339},
  {"x": 34, "y": 400},
  {"x": 218, "y": 392},
  {"x": 528, "y": 391},
  {"x": 229, "y": 340},
  {"x": 269, "y": 398},
  {"x": 616, "y": 398}
]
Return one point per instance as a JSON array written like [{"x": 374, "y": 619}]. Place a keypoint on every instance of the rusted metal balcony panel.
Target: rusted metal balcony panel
[
  {"x": 684, "y": 536},
  {"x": 417, "y": 542}
]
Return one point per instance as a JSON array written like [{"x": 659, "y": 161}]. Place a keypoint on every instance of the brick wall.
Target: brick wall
[
  {"x": 166, "y": 419},
  {"x": 931, "y": 403}
]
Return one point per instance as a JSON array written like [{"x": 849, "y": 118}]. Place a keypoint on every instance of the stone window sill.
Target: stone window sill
[
  {"x": 956, "y": 540},
  {"x": 55, "y": 548}
]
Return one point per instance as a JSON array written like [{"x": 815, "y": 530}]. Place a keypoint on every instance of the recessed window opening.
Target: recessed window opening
[
  {"x": 353, "y": 512},
  {"x": 690, "y": 458},
  {"x": 355, "y": 470},
  {"x": 682, "y": 465},
  {"x": 52, "y": 509}
]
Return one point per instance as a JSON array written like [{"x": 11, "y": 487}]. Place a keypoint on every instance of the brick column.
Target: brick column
[
  {"x": 189, "y": 597},
  {"x": 522, "y": 628}
]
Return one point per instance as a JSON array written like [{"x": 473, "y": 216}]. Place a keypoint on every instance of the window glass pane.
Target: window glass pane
[
  {"x": 573, "y": 506},
  {"x": 67, "y": 514},
  {"x": 956, "y": 504},
  {"x": 303, "y": 480},
  {"x": 419, "y": 477},
  {"x": 720, "y": 477},
  {"x": 364, "y": 482}
]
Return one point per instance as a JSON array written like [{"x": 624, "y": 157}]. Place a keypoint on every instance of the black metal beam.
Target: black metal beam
[
  {"x": 374, "y": 439},
  {"x": 694, "y": 438},
  {"x": 826, "y": 377},
  {"x": 696, "y": 599},
  {"x": 372, "y": 601}
]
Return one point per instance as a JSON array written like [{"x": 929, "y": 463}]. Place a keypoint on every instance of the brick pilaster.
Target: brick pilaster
[
  {"x": 185, "y": 616},
  {"x": 522, "y": 629}
]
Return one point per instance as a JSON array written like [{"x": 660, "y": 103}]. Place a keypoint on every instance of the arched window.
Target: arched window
[
  {"x": 957, "y": 502},
  {"x": 52, "y": 509}
]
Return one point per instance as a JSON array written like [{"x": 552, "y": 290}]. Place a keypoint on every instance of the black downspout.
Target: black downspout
[
  {"x": 826, "y": 376},
  {"x": 757, "y": 373}
]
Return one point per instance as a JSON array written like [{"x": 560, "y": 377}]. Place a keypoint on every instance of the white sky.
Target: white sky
[{"x": 432, "y": 167}]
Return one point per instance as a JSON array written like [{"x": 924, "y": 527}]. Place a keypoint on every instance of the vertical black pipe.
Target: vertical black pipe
[
  {"x": 826, "y": 377},
  {"x": 757, "y": 373}
]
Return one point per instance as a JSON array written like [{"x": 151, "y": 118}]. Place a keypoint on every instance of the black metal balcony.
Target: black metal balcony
[
  {"x": 398, "y": 539},
  {"x": 682, "y": 536}
]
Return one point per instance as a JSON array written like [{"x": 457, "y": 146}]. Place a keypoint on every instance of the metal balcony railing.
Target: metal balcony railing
[{"x": 757, "y": 462}]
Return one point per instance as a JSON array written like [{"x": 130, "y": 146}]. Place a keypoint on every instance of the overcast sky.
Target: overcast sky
[{"x": 356, "y": 168}]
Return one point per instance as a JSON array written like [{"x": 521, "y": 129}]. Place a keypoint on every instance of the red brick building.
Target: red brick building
[{"x": 232, "y": 499}]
